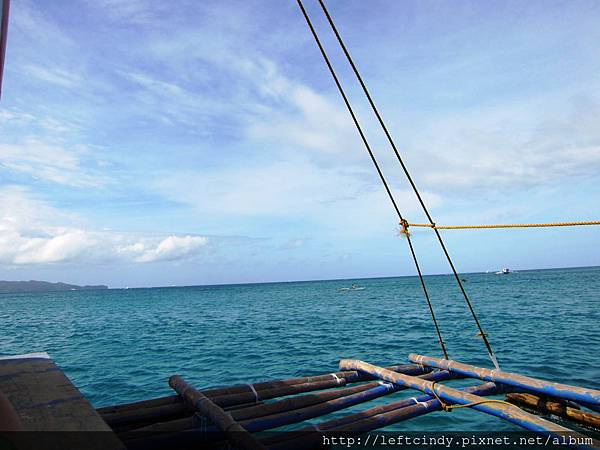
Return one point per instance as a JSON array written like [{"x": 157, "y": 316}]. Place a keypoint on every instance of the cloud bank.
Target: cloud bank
[{"x": 32, "y": 232}]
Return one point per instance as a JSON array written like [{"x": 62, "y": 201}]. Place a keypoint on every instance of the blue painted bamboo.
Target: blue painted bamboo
[
  {"x": 369, "y": 420},
  {"x": 321, "y": 409},
  {"x": 298, "y": 415},
  {"x": 577, "y": 394},
  {"x": 399, "y": 411},
  {"x": 505, "y": 411}
]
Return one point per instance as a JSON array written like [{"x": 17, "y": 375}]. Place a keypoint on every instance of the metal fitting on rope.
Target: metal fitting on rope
[{"x": 404, "y": 224}]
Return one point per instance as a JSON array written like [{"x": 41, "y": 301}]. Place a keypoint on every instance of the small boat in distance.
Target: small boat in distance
[
  {"x": 354, "y": 287},
  {"x": 504, "y": 271}
]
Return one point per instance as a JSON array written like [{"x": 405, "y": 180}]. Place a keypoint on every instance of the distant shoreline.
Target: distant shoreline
[{"x": 34, "y": 286}]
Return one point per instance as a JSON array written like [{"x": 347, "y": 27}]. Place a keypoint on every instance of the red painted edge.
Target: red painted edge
[{"x": 3, "y": 39}]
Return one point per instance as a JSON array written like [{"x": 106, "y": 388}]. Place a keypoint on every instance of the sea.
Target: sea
[{"x": 122, "y": 345}]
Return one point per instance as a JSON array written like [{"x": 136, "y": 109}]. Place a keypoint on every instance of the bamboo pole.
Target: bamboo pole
[
  {"x": 252, "y": 412},
  {"x": 283, "y": 412},
  {"x": 505, "y": 411},
  {"x": 412, "y": 408},
  {"x": 234, "y": 431},
  {"x": 131, "y": 419},
  {"x": 320, "y": 409},
  {"x": 549, "y": 388},
  {"x": 211, "y": 432},
  {"x": 121, "y": 420},
  {"x": 139, "y": 405},
  {"x": 247, "y": 397},
  {"x": 327, "y": 407},
  {"x": 350, "y": 376},
  {"x": 551, "y": 406},
  {"x": 368, "y": 420},
  {"x": 335, "y": 424},
  {"x": 289, "y": 404}
]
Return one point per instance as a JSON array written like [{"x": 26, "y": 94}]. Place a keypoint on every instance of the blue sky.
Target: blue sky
[{"x": 148, "y": 143}]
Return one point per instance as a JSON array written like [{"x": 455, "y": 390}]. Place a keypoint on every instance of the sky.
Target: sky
[{"x": 148, "y": 143}]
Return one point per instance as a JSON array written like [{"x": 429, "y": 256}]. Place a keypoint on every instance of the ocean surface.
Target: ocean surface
[{"x": 122, "y": 345}]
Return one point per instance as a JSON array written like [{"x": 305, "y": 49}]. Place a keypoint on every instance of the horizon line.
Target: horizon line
[{"x": 340, "y": 279}]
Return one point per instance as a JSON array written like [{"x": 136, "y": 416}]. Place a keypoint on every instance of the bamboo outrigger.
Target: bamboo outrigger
[{"x": 238, "y": 414}]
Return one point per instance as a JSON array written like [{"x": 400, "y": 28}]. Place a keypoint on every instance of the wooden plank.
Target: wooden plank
[{"x": 46, "y": 400}]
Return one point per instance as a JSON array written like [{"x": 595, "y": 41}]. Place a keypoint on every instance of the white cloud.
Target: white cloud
[
  {"x": 48, "y": 162},
  {"x": 29, "y": 21},
  {"x": 349, "y": 200},
  {"x": 15, "y": 117},
  {"x": 311, "y": 164},
  {"x": 67, "y": 246},
  {"x": 168, "y": 100},
  {"x": 57, "y": 76},
  {"x": 132, "y": 11},
  {"x": 32, "y": 232},
  {"x": 517, "y": 146},
  {"x": 169, "y": 249},
  {"x": 308, "y": 121}
]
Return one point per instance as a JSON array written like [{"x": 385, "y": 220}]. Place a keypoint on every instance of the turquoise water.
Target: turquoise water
[{"x": 122, "y": 345}]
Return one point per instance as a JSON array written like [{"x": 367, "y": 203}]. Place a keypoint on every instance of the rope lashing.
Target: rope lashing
[
  {"x": 448, "y": 408},
  {"x": 404, "y": 230},
  {"x": 256, "y": 397},
  {"x": 499, "y": 225}
]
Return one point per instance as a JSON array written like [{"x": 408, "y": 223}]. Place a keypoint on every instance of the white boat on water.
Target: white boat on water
[
  {"x": 504, "y": 271},
  {"x": 354, "y": 287}
]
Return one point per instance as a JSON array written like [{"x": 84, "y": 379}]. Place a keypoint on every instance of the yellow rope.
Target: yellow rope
[
  {"x": 502, "y": 225},
  {"x": 448, "y": 408}
]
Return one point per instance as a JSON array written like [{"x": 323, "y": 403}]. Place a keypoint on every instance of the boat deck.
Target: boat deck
[{"x": 46, "y": 401}]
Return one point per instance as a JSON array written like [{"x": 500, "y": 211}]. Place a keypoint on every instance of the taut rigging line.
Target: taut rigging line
[
  {"x": 404, "y": 168},
  {"x": 381, "y": 176}
]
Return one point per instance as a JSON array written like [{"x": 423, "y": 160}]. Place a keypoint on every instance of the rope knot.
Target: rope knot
[
  {"x": 445, "y": 407},
  {"x": 404, "y": 224}
]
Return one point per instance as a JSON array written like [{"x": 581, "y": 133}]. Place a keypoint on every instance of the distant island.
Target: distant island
[{"x": 12, "y": 287}]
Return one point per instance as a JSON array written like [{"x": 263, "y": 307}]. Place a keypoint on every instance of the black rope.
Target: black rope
[
  {"x": 381, "y": 176},
  {"x": 410, "y": 179}
]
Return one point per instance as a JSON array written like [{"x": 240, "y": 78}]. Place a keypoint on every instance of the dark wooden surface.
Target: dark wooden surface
[{"x": 47, "y": 401}]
